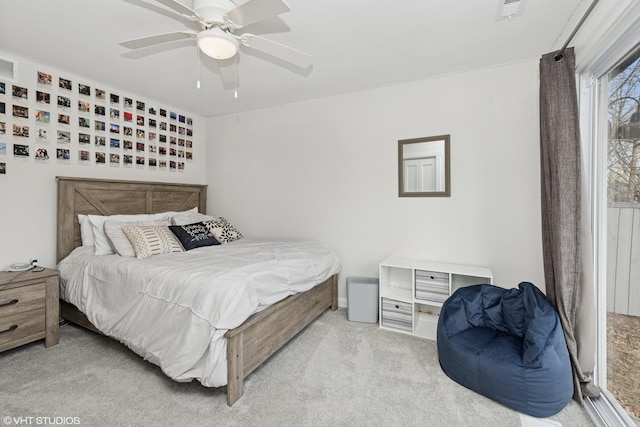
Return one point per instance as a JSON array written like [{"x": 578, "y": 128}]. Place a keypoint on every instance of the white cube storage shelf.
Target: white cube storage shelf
[{"x": 412, "y": 292}]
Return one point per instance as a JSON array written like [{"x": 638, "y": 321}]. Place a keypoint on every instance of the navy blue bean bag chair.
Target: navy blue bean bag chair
[{"x": 508, "y": 345}]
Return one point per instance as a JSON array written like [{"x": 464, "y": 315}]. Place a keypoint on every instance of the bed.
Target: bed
[{"x": 247, "y": 345}]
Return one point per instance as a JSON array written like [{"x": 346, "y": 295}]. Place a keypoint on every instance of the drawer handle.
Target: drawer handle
[
  {"x": 9, "y": 329},
  {"x": 13, "y": 301}
]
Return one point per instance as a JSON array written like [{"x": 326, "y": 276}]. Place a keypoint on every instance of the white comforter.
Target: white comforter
[{"x": 174, "y": 309}]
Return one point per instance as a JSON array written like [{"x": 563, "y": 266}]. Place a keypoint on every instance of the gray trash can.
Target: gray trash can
[{"x": 362, "y": 299}]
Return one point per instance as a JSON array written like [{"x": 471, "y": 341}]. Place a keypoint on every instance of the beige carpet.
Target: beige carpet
[{"x": 335, "y": 373}]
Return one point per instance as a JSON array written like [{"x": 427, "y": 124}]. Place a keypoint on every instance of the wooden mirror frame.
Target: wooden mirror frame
[{"x": 447, "y": 167}]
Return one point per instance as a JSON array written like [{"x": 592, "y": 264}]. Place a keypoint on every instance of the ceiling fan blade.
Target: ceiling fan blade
[
  {"x": 181, "y": 9},
  {"x": 157, "y": 39},
  {"x": 278, "y": 50},
  {"x": 254, "y": 11}
]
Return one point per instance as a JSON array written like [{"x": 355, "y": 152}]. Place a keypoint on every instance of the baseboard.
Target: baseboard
[{"x": 342, "y": 302}]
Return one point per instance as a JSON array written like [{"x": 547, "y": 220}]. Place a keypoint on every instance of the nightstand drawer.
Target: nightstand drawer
[
  {"x": 22, "y": 299},
  {"x": 22, "y": 325}
]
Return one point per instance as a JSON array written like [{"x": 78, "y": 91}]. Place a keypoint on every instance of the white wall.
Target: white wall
[
  {"x": 327, "y": 169},
  {"x": 28, "y": 189}
]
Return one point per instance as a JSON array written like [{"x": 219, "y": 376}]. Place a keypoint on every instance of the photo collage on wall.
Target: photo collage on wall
[{"x": 72, "y": 122}]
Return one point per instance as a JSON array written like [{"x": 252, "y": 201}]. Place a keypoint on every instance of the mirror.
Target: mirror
[{"x": 424, "y": 167}]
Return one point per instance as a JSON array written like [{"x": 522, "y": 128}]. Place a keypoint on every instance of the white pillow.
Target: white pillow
[
  {"x": 86, "y": 232},
  {"x": 190, "y": 218},
  {"x": 152, "y": 240},
  {"x": 119, "y": 241},
  {"x": 101, "y": 242}
]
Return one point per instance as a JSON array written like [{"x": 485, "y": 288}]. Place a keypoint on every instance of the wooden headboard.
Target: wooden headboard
[{"x": 111, "y": 197}]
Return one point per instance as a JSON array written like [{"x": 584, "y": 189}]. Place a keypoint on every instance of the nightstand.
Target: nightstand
[{"x": 29, "y": 308}]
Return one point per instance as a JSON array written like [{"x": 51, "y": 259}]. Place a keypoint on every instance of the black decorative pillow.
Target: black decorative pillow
[
  {"x": 222, "y": 230},
  {"x": 194, "y": 235}
]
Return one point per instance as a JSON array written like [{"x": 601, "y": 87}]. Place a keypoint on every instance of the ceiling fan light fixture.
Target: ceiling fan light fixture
[{"x": 217, "y": 44}]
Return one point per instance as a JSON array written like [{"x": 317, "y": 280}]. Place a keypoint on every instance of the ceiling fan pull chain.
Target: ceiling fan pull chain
[
  {"x": 235, "y": 67},
  {"x": 198, "y": 68}
]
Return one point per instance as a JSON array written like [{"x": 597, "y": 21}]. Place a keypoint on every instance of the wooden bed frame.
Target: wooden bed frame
[{"x": 248, "y": 345}]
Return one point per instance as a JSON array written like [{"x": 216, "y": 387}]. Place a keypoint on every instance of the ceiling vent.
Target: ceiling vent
[
  {"x": 508, "y": 9},
  {"x": 7, "y": 69}
]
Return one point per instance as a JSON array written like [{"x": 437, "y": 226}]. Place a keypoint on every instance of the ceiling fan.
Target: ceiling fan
[{"x": 220, "y": 19}]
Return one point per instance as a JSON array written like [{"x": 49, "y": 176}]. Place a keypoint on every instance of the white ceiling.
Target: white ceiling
[{"x": 356, "y": 44}]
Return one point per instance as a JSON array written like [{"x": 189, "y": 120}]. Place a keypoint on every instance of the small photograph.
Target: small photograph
[
  {"x": 100, "y": 141},
  {"x": 21, "y": 131},
  {"x": 139, "y": 133},
  {"x": 181, "y": 154},
  {"x": 3, "y": 149},
  {"x": 140, "y": 146},
  {"x": 3, "y": 89},
  {"x": 2, "y": 108},
  {"x": 189, "y": 132},
  {"x": 162, "y": 150},
  {"x": 63, "y": 101},
  {"x": 127, "y": 131},
  {"x": 3, "y": 128},
  {"x": 63, "y": 119},
  {"x": 180, "y": 142},
  {"x": 114, "y": 143},
  {"x": 189, "y": 155},
  {"x": 163, "y": 125},
  {"x": 127, "y": 159},
  {"x": 84, "y": 106},
  {"x": 140, "y": 105},
  {"x": 153, "y": 162},
  {"x": 173, "y": 140},
  {"x": 20, "y": 150},
  {"x": 172, "y": 115},
  {"x": 83, "y": 155},
  {"x": 100, "y": 125},
  {"x": 84, "y": 89},
  {"x": 128, "y": 117},
  {"x": 20, "y": 112},
  {"x": 114, "y": 128},
  {"x": 64, "y": 84},
  {"x": 114, "y": 113},
  {"x": 182, "y": 119},
  {"x": 189, "y": 143},
  {"x": 84, "y": 122},
  {"x": 140, "y": 160},
  {"x": 189, "y": 121},
  {"x": 41, "y": 154},
  {"x": 152, "y": 136},
  {"x": 173, "y": 152},
  {"x": 19, "y": 92},
  {"x": 180, "y": 166},
  {"x": 3, "y": 168},
  {"x": 182, "y": 130},
  {"x": 63, "y": 154},
  {"x": 173, "y": 128},
  {"x": 64, "y": 137},
  {"x": 43, "y": 97},
  {"x": 99, "y": 110},
  {"x": 100, "y": 94},
  {"x": 140, "y": 120},
  {"x": 152, "y": 111},
  {"x": 163, "y": 112},
  {"x": 100, "y": 157},
  {"x": 114, "y": 158},
  {"x": 127, "y": 145},
  {"x": 152, "y": 148},
  {"x": 163, "y": 138},
  {"x": 43, "y": 116},
  {"x": 172, "y": 164},
  {"x": 128, "y": 102},
  {"x": 152, "y": 123},
  {"x": 42, "y": 135},
  {"x": 44, "y": 78},
  {"x": 114, "y": 99},
  {"x": 84, "y": 138},
  {"x": 162, "y": 164}
]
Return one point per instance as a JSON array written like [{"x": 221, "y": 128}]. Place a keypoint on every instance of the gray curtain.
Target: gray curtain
[{"x": 566, "y": 241}]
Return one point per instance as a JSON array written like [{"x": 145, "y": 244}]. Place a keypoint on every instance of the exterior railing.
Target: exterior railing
[{"x": 623, "y": 258}]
